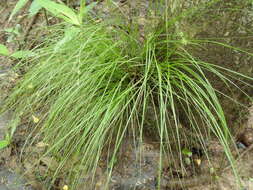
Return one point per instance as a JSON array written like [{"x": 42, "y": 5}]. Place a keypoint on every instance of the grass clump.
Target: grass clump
[{"x": 92, "y": 89}]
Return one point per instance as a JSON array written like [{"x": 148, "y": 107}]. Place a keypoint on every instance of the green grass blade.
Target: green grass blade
[{"x": 61, "y": 11}]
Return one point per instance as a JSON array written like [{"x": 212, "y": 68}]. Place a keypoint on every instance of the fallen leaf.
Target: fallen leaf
[
  {"x": 35, "y": 119},
  {"x": 197, "y": 161},
  {"x": 65, "y": 187}
]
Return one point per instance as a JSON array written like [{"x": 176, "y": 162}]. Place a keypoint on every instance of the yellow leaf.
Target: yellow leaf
[
  {"x": 65, "y": 187},
  {"x": 198, "y": 162},
  {"x": 35, "y": 119}
]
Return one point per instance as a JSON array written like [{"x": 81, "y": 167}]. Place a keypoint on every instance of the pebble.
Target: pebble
[{"x": 240, "y": 145}]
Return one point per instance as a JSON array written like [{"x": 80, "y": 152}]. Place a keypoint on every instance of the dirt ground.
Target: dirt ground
[{"x": 232, "y": 27}]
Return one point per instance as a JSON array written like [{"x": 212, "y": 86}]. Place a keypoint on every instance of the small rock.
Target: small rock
[{"x": 240, "y": 145}]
